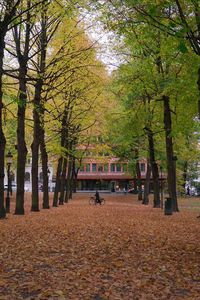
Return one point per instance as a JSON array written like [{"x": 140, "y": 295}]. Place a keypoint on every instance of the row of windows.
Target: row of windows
[
  {"x": 104, "y": 167},
  {"x": 113, "y": 167}
]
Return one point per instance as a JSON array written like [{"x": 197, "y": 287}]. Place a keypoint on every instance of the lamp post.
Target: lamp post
[
  {"x": 161, "y": 187},
  {"x": 9, "y": 162}
]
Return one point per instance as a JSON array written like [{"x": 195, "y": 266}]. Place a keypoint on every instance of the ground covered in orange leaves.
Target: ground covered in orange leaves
[{"x": 122, "y": 250}]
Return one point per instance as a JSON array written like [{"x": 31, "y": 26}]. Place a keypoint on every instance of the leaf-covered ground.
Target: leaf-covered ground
[{"x": 121, "y": 250}]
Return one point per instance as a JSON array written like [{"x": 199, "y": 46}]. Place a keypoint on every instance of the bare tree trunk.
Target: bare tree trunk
[
  {"x": 185, "y": 169},
  {"x": 147, "y": 184},
  {"x": 35, "y": 147},
  {"x": 75, "y": 175},
  {"x": 138, "y": 173},
  {"x": 71, "y": 182},
  {"x": 171, "y": 159},
  {"x": 45, "y": 170},
  {"x": 198, "y": 84},
  {"x": 6, "y": 18},
  {"x": 38, "y": 115},
  {"x": 135, "y": 186},
  {"x": 2, "y": 137},
  {"x": 21, "y": 144},
  {"x": 57, "y": 186},
  {"x": 68, "y": 183},
  {"x": 63, "y": 181},
  {"x": 154, "y": 168},
  {"x": 23, "y": 57}
]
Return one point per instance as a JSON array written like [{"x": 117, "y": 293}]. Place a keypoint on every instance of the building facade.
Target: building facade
[{"x": 107, "y": 174}]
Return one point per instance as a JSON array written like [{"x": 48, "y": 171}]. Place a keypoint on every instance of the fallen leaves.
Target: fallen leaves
[{"x": 122, "y": 250}]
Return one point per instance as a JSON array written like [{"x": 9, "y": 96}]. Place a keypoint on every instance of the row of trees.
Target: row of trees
[
  {"x": 51, "y": 84},
  {"x": 157, "y": 86}
]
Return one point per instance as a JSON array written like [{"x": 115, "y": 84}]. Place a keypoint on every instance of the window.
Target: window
[
  {"x": 142, "y": 167},
  {"x": 118, "y": 167},
  {"x": 100, "y": 168},
  {"x": 112, "y": 167},
  {"x": 94, "y": 167},
  {"x": 87, "y": 167}
]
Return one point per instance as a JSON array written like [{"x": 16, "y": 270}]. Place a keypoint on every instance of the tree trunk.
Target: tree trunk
[
  {"x": 171, "y": 159},
  {"x": 6, "y": 17},
  {"x": 147, "y": 184},
  {"x": 38, "y": 115},
  {"x": 21, "y": 144},
  {"x": 68, "y": 181},
  {"x": 154, "y": 168},
  {"x": 135, "y": 186},
  {"x": 63, "y": 181},
  {"x": 185, "y": 169},
  {"x": 2, "y": 137},
  {"x": 22, "y": 40},
  {"x": 74, "y": 175},
  {"x": 139, "y": 182},
  {"x": 35, "y": 147},
  {"x": 71, "y": 183},
  {"x": 57, "y": 186},
  {"x": 198, "y": 84},
  {"x": 44, "y": 156}
]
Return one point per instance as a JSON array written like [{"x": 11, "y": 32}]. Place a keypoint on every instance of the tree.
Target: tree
[
  {"x": 180, "y": 19},
  {"x": 128, "y": 19},
  {"x": 8, "y": 9}
]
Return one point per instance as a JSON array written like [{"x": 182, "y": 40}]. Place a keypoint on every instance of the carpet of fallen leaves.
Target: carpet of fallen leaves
[{"x": 122, "y": 250}]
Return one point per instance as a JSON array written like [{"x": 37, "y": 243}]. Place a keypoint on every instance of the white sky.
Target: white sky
[{"x": 106, "y": 41}]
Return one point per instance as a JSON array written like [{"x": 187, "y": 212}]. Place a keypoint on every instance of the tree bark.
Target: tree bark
[
  {"x": 68, "y": 181},
  {"x": 185, "y": 169},
  {"x": 198, "y": 84},
  {"x": 75, "y": 175},
  {"x": 38, "y": 116},
  {"x": 35, "y": 146},
  {"x": 44, "y": 156},
  {"x": 154, "y": 168},
  {"x": 23, "y": 57},
  {"x": 138, "y": 174},
  {"x": 57, "y": 186},
  {"x": 71, "y": 182},
  {"x": 147, "y": 184},
  {"x": 63, "y": 181},
  {"x": 21, "y": 144},
  {"x": 171, "y": 159},
  {"x": 10, "y": 10},
  {"x": 2, "y": 137}
]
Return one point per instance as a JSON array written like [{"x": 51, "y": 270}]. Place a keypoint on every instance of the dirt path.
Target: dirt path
[{"x": 122, "y": 250}]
